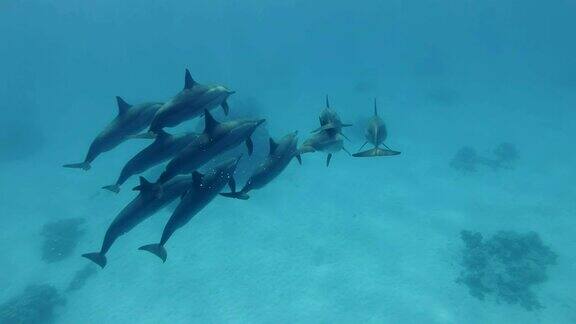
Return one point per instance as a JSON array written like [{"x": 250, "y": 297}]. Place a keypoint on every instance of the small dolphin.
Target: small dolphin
[
  {"x": 164, "y": 147},
  {"x": 129, "y": 122},
  {"x": 189, "y": 103},
  {"x": 376, "y": 135},
  {"x": 281, "y": 153},
  {"x": 146, "y": 204},
  {"x": 323, "y": 142},
  {"x": 330, "y": 121},
  {"x": 216, "y": 138},
  {"x": 201, "y": 192}
]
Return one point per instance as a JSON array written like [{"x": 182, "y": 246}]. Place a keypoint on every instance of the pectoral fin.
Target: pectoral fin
[
  {"x": 226, "y": 108},
  {"x": 236, "y": 195},
  {"x": 345, "y": 150},
  {"x": 299, "y": 158},
  {"x": 82, "y": 165},
  {"x": 232, "y": 184},
  {"x": 250, "y": 146}
]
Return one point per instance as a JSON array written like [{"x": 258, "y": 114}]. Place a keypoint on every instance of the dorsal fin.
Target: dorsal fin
[
  {"x": 144, "y": 185},
  {"x": 189, "y": 83},
  {"x": 197, "y": 179},
  {"x": 375, "y": 108},
  {"x": 273, "y": 145},
  {"x": 209, "y": 122},
  {"x": 123, "y": 106},
  {"x": 327, "y": 102}
]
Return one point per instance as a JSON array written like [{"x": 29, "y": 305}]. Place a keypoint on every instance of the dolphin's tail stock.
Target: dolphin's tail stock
[
  {"x": 114, "y": 188},
  {"x": 96, "y": 257},
  {"x": 237, "y": 195},
  {"x": 82, "y": 165},
  {"x": 156, "y": 249},
  {"x": 376, "y": 152}
]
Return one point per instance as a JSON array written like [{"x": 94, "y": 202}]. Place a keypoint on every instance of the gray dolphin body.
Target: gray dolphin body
[
  {"x": 164, "y": 147},
  {"x": 189, "y": 103},
  {"x": 281, "y": 153},
  {"x": 330, "y": 121},
  {"x": 323, "y": 141},
  {"x": 216, "y": 138},
  {"x": 376, "y": 135},
  {"x": 130, "y": 121},
  {"x": 201, "y": 192},
  {"x": 146, "y": 204}
]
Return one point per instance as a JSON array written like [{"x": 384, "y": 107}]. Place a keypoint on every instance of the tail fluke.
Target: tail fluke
[
  {"x": 96, "y": 257},
  {"x": 82, "y": 165},
  {"x": 114, "y": 188},
  {"x": 156, "y": 249},
  {"x": 376, "y": 152},
  {"x": 237, "y": 195}
]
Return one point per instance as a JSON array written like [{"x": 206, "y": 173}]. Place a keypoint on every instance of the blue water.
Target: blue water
[{"x": 373, "y": 240}]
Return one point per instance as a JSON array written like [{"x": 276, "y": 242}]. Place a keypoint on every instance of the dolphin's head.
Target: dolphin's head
[
  {"x": 222, "y": 92},
  {"x": 309, "y": 144},
  {"x": 324, "y": 142},
  {"x": 313, "y": 140},
  {"x": 244, "y": 128},
  {"x": 292, "y": 140},
  {"x": 329, "y": 116}
]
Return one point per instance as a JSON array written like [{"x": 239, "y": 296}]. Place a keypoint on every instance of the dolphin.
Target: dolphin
[
  {"x": 376, "y": 135},
  {"x": 330, "y": 121},
  {"x": 216, "y": 138},
  {"x": 281, "y": 153},
  {"x": 146, "y": 204},
  {"x": 164, "y": 147},
  {"x": 189, "y": 103},
  {"x": 202, "y": 191},
  {"x": 127, "y": 124},
  {"x": 323, "y": 142}
]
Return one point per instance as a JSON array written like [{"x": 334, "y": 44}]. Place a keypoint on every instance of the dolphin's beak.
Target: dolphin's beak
[
  {"x": 260, "y": 122},
  {"x": 230, "y": 92}
]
